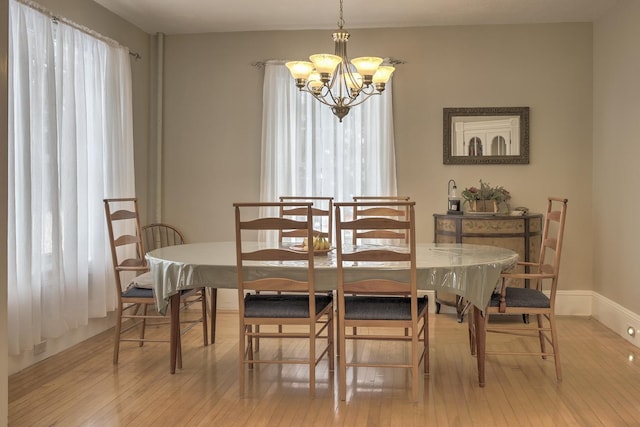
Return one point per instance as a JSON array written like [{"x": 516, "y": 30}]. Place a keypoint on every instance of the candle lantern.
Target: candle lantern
[{"x": 454, "y": 203}]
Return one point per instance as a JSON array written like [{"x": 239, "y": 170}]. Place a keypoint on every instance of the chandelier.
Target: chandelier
[{"x": 337, "y": 82}]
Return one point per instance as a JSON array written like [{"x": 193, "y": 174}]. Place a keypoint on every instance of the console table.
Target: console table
[{"x": 521, "y": 234}]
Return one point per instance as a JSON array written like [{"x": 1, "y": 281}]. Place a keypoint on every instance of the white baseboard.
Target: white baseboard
[
  {"x": 574, "y": 303},
  {"x": 616, "y": 317},
  {"x": 609, "y": 313}
]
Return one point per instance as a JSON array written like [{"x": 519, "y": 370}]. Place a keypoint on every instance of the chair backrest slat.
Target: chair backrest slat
[
  {"x": 321, "y": 211},
  {"x": 273, "y": 224},
  {"x": 381, "y": 286},
  {"x": 552, "y": 235},
  {"x": 272, "y": 252},
  {"x": 160, "y": 235},
  {"x": 376, "y": 282},
  {"x": 126, "y": 239},
  {"x": 123, "y": 226},
  {"x": 381, "y": 206}
]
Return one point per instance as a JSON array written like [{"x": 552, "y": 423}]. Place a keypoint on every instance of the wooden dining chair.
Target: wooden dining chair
[
  {"x": 322, "y": 211},
  {"x": 134, "y": 299},
  {"x": 374, "y": 208},
  {"x": 160, "y": 235},
  {"x": 303, "y": 313},
  {"x": 127, "y": 254},
  {"x": 384, "y": 296},
  {"x": 381, "y": 210},
  {"x": 539, "y": 298}
]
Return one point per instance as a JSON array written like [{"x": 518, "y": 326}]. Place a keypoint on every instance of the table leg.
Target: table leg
[
  {"x": 175, "y": 331},
  {"x": 481, "y": 335}
]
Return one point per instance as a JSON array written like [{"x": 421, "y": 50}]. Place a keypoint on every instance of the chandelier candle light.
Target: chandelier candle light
[{"x": 335, "y": 81}]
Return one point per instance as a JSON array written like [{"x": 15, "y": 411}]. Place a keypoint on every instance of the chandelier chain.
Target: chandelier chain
[{"x": 341, "y": 20}]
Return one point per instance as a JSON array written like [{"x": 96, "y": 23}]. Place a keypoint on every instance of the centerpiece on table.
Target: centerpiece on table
[{"x": 486, "y": 198}]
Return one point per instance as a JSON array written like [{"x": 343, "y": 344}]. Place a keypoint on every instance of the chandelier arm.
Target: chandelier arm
[
  {"x": 365, "y": 96},
  {"x": 334, "y": 101},
  {"x": 320, "y": 98},
  {"x": 323, "y": 94}
]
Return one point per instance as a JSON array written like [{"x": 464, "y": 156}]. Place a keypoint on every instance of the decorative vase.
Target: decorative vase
[{"x": 484, "y": 206}]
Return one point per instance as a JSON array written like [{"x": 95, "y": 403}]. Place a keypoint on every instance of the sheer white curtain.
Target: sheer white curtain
[
  {"x": 70, "y": 146},
  {"x": 306, "y": 151}
]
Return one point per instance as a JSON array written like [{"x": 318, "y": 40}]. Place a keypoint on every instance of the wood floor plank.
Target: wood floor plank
[{"x": 81, "y": 387}]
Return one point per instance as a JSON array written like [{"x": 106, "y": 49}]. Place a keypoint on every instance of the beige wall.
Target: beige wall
[
  {"x": 213, "y": 118},
  {"x": 616, "y": 150}
]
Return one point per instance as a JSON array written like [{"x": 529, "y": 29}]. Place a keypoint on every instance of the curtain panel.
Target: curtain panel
[{"x": 70, "y": 146}]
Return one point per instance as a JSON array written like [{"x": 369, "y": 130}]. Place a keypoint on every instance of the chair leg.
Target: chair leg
[
  {"x": 144, "y": 324},
  {"x": 116, "y": 344},
  {"x": 543, "y": 346},
  {"x": 425, "y": 337},
  {"x": 415, "y": 360},
  {"x": 242, "y": 350},
  {"x": 336, "y": 318},
  {"x": 249, "y": 329},
  {"x": 312, "y": 360},
  {"x": 331, "y": 343},
  {"x": 554, "y": 343},
  {"x": 342, "y": 365}
]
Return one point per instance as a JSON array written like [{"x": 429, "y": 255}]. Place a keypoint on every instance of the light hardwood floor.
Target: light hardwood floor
[{"x": 81, "y": 387}]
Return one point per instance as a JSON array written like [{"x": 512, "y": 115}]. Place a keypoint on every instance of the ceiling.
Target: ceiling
[{"x": 202, "y": 16}]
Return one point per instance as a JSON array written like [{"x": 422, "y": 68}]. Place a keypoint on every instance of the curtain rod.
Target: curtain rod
[{"x": 56, "y": 19}]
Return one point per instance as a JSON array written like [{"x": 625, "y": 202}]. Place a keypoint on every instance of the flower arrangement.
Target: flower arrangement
[{"x": 496, "y": 194}]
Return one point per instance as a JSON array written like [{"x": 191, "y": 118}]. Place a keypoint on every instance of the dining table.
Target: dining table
[{"x": 468, "y": 270}]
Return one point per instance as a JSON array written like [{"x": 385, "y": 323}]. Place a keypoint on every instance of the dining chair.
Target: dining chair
[
  {"x": 389, "y": 236},
  {"x": 160, "y": 235},
  {"x": 381, "y": 210},
  {"x": 127, "y": 253},
  {"x": 322, "y": 211},
  {"x": 134, "y": 299},
  {"x": 384, "y": 296},
  {"x": 303, "y": 313},
  {"x": 538, "y": 298}
]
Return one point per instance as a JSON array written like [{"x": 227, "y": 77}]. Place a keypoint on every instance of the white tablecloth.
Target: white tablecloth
[{"x": 471, "y": 271}]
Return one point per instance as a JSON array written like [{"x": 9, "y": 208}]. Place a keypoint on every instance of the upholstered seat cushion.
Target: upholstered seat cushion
[
  {"x": 381, "y": 308},
  {"x": 522, "y": 297},
  {"x": 283, "y": 305},
  {"x": 135, "y": 292}
]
